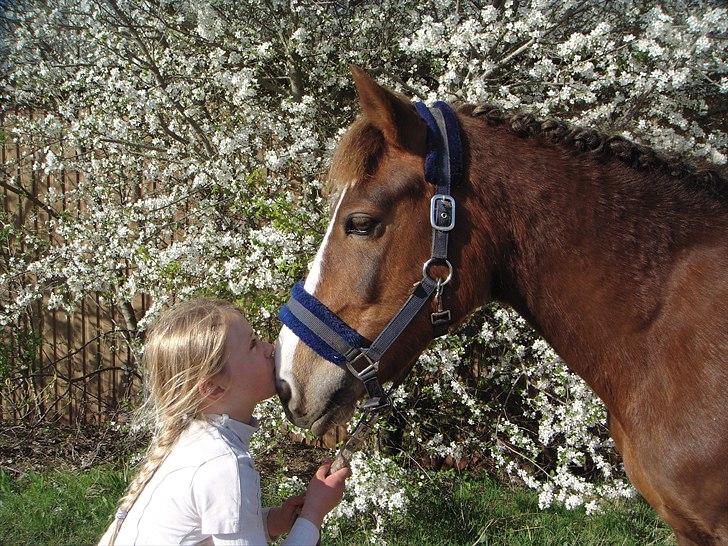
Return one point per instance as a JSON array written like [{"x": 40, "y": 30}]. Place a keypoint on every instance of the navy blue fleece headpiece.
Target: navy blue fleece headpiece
[
  {"x": 328, "y": 317},
  {"x": 434, "y": 137}
]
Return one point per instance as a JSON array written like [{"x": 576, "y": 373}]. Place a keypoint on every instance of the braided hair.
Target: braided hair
[{"x": 184, "y": 348}]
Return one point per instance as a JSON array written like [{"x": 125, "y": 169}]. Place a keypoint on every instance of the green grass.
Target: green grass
[
  {"x": 470, "y": 509},
  {"x": 74, "y": 506},
  {"x": 58, "y": 506}
]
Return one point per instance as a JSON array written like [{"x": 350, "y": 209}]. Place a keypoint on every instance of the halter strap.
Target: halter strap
[
  {"x": 329, "y": 336},
  {"x": 318, "y": 327}
]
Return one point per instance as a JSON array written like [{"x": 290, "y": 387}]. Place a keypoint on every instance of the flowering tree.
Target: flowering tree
[{"x": 202, "y": 131}]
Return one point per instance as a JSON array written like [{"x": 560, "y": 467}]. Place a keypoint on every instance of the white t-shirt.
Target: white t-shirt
[{"x": 206, "y": 491}]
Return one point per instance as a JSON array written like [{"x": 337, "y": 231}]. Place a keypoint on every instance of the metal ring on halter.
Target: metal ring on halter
[{"x": 442, "y": 261}]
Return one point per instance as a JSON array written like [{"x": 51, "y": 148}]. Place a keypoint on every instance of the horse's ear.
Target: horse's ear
[{"x": 393, "y": 114}]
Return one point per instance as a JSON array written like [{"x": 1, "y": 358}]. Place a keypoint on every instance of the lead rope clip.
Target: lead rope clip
[
  {"x": 438, "y": 295},
  {"x": 441, "y": 318}
]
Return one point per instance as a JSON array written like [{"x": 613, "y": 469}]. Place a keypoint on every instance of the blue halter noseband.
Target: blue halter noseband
[{"x": 329, "y": 336}]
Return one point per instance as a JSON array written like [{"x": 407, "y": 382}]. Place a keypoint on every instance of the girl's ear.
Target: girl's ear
[{"x": 211, "y": 390}]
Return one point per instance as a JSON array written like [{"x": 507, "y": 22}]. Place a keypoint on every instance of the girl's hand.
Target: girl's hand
[
  {"x": 281, "y": 518},
  {"x": 324, "y": 493}
]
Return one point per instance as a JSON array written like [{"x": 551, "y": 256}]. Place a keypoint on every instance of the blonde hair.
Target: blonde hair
[{"x": 185, "y": 347}]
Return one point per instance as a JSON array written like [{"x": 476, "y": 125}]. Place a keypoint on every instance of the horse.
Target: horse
[{"x": 616, "y": 256}]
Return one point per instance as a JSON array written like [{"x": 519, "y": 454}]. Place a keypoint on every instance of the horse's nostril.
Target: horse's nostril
[
  {"x": 294, "y": 410},
  {"x": 284, "y": 391}
]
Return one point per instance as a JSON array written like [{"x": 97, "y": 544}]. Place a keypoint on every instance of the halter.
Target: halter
[{"x": 333, "y": 339}]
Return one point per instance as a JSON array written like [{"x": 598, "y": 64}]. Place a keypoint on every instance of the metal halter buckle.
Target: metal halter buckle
[
  {"x": 354, "y": 356},
  {"x": 441, "y": 318},
  {"x": 369, "y": 375},
  {"x": 442, "y": 218},
  {"x": 376, "y": 399},
  {"x": 432, "y": 261}
]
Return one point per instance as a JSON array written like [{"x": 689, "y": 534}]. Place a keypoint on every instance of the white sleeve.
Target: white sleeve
[{"x": 303, "y": 533}]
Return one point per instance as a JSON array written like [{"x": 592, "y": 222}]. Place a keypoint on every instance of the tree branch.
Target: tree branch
[{"x": 19, "y": 190}]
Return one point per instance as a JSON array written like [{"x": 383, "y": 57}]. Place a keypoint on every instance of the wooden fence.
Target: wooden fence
[{"x": 75, "y": 368}]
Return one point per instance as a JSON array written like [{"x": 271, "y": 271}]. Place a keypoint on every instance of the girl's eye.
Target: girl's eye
[{"x": 361, "y": 225}]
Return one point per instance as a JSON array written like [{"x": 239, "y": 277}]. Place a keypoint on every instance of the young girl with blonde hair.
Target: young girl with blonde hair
[{"x": 205, "y": 372}]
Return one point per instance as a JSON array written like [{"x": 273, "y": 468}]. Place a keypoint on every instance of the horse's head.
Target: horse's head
[{"x": 372, "y": 254}]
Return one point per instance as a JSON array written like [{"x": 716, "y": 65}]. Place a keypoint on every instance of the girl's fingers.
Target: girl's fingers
[
  {"x": 341, "y": 474},
  {"x": 323, "y": 470}
]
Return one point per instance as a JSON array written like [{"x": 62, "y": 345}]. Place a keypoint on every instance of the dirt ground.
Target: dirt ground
[{"x": 26, "y": 448}]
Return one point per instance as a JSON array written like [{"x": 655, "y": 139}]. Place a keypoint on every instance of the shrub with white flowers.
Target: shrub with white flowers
[{"x": 202, "y": 131}]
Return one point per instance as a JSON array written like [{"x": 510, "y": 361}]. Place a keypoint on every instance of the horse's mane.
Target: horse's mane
[
  {"x": 362, "y": 145},
  {"x": 601, "y": 146}
]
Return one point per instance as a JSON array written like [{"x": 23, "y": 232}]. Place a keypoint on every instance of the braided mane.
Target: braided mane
[
  {"x": 601, "y": 146},
  {"x": 361, "y": 147}
]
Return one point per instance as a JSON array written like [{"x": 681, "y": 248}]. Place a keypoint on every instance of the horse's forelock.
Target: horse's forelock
[{"x": 357, "y": 154}]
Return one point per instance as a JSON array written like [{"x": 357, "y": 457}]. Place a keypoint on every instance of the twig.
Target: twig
[
  {"x": 508, "y": 57},
  {"x": 19, "y": 190},
  {"x": 11, "y": 469}
]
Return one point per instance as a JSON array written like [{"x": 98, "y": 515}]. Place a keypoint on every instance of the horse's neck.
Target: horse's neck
[{"x": 577, "y": 253}]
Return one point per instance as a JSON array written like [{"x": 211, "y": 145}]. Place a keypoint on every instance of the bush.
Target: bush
[{"x": 202, "y": 132}]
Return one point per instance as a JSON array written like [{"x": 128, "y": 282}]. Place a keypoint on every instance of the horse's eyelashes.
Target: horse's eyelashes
[{"x": 362, "y": 225}]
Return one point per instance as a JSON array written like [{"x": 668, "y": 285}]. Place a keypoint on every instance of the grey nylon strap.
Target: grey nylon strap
[
  {"x": 440, "y": 238},
  {"x": 396, "y": 326},
  {"x": 318, "y": 327},
  {"x": 391, "y": 332}
]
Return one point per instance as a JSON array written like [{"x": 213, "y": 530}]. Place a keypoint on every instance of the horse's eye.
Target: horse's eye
[{"x": 361, "y": 224}]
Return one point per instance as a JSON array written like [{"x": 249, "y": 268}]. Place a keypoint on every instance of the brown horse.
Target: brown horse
[{"x": 617, "y": 258}]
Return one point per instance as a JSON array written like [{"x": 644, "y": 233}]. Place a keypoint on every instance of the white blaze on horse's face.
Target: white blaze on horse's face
[{"x": 288, "y": 343}]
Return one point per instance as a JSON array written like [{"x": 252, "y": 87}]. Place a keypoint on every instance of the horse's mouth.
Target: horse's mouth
[{"x": 335, "y": 415}]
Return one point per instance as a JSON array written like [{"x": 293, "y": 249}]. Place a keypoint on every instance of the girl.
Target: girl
[{"x": 205, "y": 371}]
